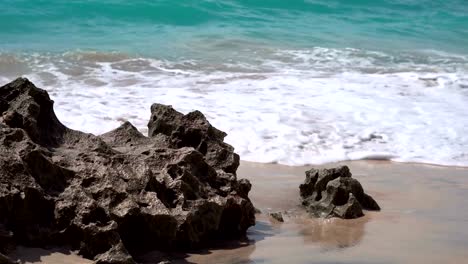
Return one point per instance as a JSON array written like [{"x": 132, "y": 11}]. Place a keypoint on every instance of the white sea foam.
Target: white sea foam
[{"x": 290, "y": 107}]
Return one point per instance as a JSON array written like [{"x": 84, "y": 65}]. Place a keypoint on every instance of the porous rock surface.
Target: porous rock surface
[
  {"x": 118, "y": 194},
  {"x": 334, "y": 193}
]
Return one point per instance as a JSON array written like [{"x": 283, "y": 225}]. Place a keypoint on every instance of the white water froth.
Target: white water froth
[{"x": 295, "y": 108}]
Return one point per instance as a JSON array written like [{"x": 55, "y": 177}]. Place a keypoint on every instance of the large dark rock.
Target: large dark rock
[
  {"x": 333, "y": 193},
  {"x": 119, "y": 194}
]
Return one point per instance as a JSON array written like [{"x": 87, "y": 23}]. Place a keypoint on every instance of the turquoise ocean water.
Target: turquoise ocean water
[
  {"x": 294, "y": 82},
  {"x": 164, "y": 28}
]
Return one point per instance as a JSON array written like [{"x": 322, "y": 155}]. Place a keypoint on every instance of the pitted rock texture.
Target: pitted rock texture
[
  {"x": 334, "y": 193},
  {"x": 119, "y": 194}
]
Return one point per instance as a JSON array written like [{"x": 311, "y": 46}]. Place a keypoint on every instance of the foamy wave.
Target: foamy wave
[{"x": 290, "y": 107}]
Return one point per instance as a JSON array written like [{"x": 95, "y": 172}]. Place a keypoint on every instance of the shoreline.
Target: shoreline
[
  {"x": 359, "y": 160},
  {"x": 423, "y": 219}
]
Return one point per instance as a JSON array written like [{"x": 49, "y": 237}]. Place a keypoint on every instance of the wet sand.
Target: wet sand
[
  {"x": 49, "y": 256},
  {"x": 424, "y": 219}
]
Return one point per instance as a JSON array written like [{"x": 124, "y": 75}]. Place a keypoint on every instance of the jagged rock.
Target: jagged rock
[
  {"x": 193, "y": 130},
  {"x": 116, "y": 255},
  {"x": 278, "y": 216},
  {"x": 334, "y": 193},
  {"x": 119, "y": 194}
]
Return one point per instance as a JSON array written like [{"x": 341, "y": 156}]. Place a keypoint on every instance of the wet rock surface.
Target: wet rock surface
[
  {"x": 120, "y": 194},
  {"x": 334, "y": 193}
]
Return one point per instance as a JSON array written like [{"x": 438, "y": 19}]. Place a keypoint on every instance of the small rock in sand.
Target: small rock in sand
[
  {"x": 333, "y": 193},
  {"x": 278, "y": 216}
]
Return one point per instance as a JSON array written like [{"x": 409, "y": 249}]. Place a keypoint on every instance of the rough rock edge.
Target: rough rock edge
[
  {"x": 118, "y": 194},
  {"x": 334, "y": 193}
]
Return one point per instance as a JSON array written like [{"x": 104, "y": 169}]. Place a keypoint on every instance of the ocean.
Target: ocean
[{"x": 291, "y": 82}]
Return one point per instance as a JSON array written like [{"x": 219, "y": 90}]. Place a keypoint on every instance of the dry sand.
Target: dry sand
[{"x": 424, "y": 219}]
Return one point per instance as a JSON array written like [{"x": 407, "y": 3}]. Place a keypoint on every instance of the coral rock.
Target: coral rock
[{"x": 119, "y": 194}]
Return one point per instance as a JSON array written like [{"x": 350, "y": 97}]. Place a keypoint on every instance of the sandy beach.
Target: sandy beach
[{"x": 424, "y": 219}]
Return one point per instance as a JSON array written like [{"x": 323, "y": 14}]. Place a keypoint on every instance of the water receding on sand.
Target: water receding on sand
[{"x": 423, "y": 219}]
